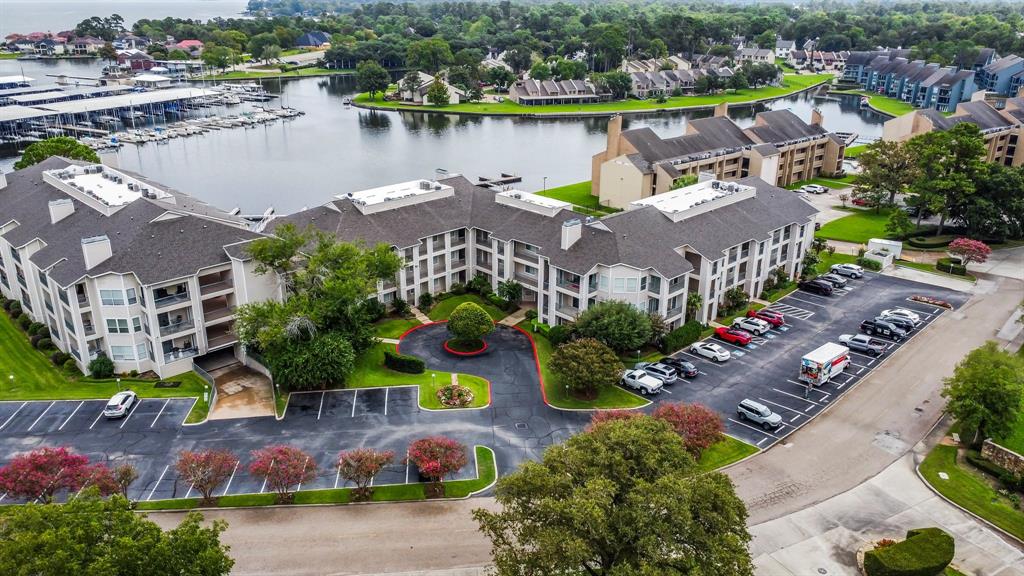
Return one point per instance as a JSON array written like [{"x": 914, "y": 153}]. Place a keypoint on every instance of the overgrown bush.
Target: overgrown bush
[
  {"x": 404, "y": 363},
  {"x": 58, "y": 358},
  {"x": 949, "y": 266},
  {"x": 34, "y": 340},
  {"x": 101, "y": 367},
  {"x": 497, "y": 301},
  {"x": 35, "y": 327},
  {"x": 43, "y": 343},
  {"x": 375, "y": 309},
  {"x": 735, "y": 299},
  {"x": 531, "y": 314},
  {"x": 400, "y": 306},
  {"x": 560, "y": 334},
  {"x": 925, "y": 552},
  {"x": 458, "y": 289},
  {"x": 14, "y": 309},
  {"x": 682, "y": 337},
  {"x": 480, "y": 284},
  {"x": 869, "y": 264},
  {"x": 930, "y": 242},
  {"x": 469, "y": 322},
  {"x": 426, "y": 300},
  {"x": 24, "y": 322}
]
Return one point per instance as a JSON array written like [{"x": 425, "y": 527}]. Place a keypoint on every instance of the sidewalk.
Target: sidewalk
[
  {"x": 423, "y": 318},
  {"x": 514, "y": 318}
]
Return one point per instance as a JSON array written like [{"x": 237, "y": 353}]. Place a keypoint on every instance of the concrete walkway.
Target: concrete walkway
[
  {"x": 933, "y": 279},
  {"x": 515, "y": 317},
  {"x": 1006, "y": 262},
  {"x": 241, "y": 393},
  {"x": 423, "y": 318},
  {"x": 826, "y": 536}
]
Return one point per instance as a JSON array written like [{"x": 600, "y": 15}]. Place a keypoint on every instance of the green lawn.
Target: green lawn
[
  {"x": 613, "y": 397},
  {"x": 35, "y": 378},
  {"x": 791, "y": 83},
  {"x": 393, "y": 327},
  {"x": 485, "y": 463},
  {"x": 370, "y": 372},
  {"x": 443, "y": 309},
  {"x": 970, "y": 490},
  {"x": 833, "y": 183},
  {"x": 579, "y": 195},
  {"x": 883, "y": 104},
  {"x": 826, "y": 262},
  {"x": 728, "y": 318},
  {"x": 858, "y": 227},
  {"x": 927, "y": 267},
  {"x": 726, "y": 452},
  {"x": 776, "y": 294},
  {"x": 855, "y": 151},
  {"x": 9, "y": 55}
]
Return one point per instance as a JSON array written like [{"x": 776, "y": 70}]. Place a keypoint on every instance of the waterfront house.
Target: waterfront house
[
  {"x": 532, "y": 92},
  {"x": 783, "y": 48},
  {"x": 135, "y": 60},
  {"x": 50, "y": 47},
  {"x": 85, "y": 46},
  {"x": 418, "y": 94},
  {"x": 997, "y": 77},
  {"x": 314, "y": 39},
  {"x": 193, "y": 47}
]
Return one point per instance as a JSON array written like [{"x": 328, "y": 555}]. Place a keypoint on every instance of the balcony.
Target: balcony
[
  {"x": 567, "y": 309},
  {"x": 218, "y": 313},
  {"x": 455, "y": 264},
  {"x": 526, "y": 253},
  {"x": 171, "y": 299},
  {"x": 524, "y": 278},
  {"x": 89, "y": 329},
  {"x": 83, "y": 300},
  {"x": 221, "y": 340},
  {"x": 178, "y": 326},
  {"x": 214, "y": 287},
  {"x": 568, "y": 283},
  {"x": 178, "y": 354},
  {"x": 671, "y": 312}
]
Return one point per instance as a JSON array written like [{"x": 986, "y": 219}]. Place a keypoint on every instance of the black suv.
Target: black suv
[
  {"x": 898, "y": 321},
  {"x": 819, "y": 287},
  {"x": 681, "y": 366},
  {"x": 883, "y": 328}
]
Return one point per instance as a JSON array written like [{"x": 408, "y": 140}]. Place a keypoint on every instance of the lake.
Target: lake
[
  {"x": 335, "y": 149},
  {"x": 25, "y": 16}
]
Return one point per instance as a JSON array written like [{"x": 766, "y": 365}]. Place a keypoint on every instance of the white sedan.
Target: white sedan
[
  {"x": 815, "y": 189},
  {"x": 711, "y": 351},
  {"x": 902, "y": 313},
  {"x": 755, "y": 326}
]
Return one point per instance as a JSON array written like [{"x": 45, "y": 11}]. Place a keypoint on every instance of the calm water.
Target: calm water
[
  {"x": 24, "y": 16},
  {"x": 334, "y": 149}
]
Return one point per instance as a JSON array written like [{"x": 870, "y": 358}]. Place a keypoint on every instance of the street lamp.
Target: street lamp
[
  {"x": 433, "y": 380},
  {"x": 119, "y": 384},
  {"x": 545, "y": 183}
]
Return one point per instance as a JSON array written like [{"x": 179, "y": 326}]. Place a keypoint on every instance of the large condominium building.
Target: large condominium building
[
  {"x": 779, "y": 148},
  {"x": 113, "y": 263},
  {"x": 1003, "y": 129},
  {"x": 706, "y": 238},
  {"x": 919, "y": 83}
]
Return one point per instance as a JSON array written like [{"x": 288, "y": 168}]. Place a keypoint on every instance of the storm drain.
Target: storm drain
[{"x": 521, "y": 426}]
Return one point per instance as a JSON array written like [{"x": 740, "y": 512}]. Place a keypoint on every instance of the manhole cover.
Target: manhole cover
[
  {"x": 521, "y": 426},
  {"x": 822, "y": 571}
]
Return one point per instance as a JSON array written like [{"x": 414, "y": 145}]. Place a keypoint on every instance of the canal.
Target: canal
[{"x": 335, "y": 148}]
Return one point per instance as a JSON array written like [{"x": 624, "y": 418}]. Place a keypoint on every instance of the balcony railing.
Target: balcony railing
[
  {"x": 174, "y": 328},
  {"x": 171, "y": 299},
  {"x": 179, "y": 354},
  {"x": 524, "y": 278},
  {"x": 525, "y": 254},
  {"x": 83, "y": 299},
  {"x": 567, "y": 309},
  {"x": 568, "y": 284},
  {"x": 457, "y": 264},
  {"x": 217, "y": 313},
  {"x": 89, "y": 328},
  {"x": 212, "y": 287},
  {"x": 221, "y": 340},
  {"x": 673, "y": 312}
]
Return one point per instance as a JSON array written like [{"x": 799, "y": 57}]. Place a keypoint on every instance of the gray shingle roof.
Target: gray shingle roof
[
  {"x": 153, "y": 251},
  {"x": 715, "y": 133},
  {"x": 781, "y": 126}
]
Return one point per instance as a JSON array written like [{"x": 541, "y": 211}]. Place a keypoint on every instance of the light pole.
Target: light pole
[
  {"x": 11, "y": 378},
  {"x": 433, "y": 380},
  {"x": 119, "y": 384},
  {"x": 545, "y": 183}
]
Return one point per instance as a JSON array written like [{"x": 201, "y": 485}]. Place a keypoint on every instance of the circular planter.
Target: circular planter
[{"x": 465, "y": 353}]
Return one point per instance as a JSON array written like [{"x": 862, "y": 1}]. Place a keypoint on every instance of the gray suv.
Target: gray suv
[
  {"x": 663, "y": 372},
  {"x": 758, "y": 413}
]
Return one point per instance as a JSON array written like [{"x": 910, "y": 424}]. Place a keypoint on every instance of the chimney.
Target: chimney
[
  {"x": 722, "y": 110},
  {"x": 816, "y": 117},
  {"x": 61, "y": 209},
  {"x": 572, "y": 231},
  {"x": 614, "y": 130},
  {"x": 96, "y": 250}
]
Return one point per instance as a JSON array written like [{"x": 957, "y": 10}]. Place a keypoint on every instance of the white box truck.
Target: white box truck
[{"x": 819, "y": 366}]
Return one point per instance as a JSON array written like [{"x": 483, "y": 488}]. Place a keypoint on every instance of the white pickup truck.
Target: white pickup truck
[{"x": 642, "y": 381}]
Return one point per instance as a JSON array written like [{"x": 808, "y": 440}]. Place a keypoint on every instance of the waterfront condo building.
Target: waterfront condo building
[
  {"x": 779, "y": 148},
  {"x": 115, "y": 264},
  {"x": 706, "y": 238}
]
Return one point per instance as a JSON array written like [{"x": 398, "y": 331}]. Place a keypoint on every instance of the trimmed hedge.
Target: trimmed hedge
[
  {"x": 925, "y": 552},
  {"x": 947, "y": 265},
  {"x": 929, "y": 242},
  {"x": 869, "y": 264},
  {"x": 682, "y": 337},
  {"x": 404, "y": 363}
]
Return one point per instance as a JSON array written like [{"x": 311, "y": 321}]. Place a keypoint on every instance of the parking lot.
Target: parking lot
[
  {"x": 767, "y": 369},
  {"x": 46, "y": 418}
]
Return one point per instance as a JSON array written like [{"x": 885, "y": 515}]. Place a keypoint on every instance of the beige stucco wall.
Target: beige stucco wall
[{"x": 621, "y": 182}]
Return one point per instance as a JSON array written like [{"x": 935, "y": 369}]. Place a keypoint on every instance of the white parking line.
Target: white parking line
[
  {"x": 744, "y": 349},
  {"x": 133, "y": 410},
  {"x": 354, "y": 394},
  {"x": 713, "y": 363},
  {"x": 783, "y": 406},
  {"x": 406, "y": 466},
  {"x": 807, "y": 302},
  {"x": 802, "y": 399},
  {"x": 72, "y": 415},
  {"x": 153, "y": 423},
  {"x": 813, "y": 388},
  {"x": 98, "y": 416},
  {"x": 868, "y": 356},
  {"x": 158, "y": 480},
  {"x": 321, "y": 409},
  {"x": 861, "y": 366},
  {"x": 40, "y": 417},
  {"x": 761, "y": 441},
  {"x": 761, "y": 430},
  {"x": 230, "y": 478},
  {"x": 264, "y": 485},
  {"x": 189, "y": 492},
  {"x": 337, "y": 477},
  {"x": 386, "y": 401},
  {"x": 8, "y": 421}
]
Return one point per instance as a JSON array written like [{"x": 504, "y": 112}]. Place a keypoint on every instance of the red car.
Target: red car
[
  {"x": 862, "y": 202},
  {"x": 774, "y": 318},
  {"x": 734, "y": 335}
]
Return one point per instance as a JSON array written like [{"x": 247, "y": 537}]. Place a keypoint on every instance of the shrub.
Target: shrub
[
  {"x": 455, "y": 396},
  {"x": 34, "y": 328},
  {"x": 101, "y": 367},
  {"x": 560, "y": 334},
  {"x": 619, "y": 325},
  {"x": 133, "y": 373},
  {"x": 869, "y": 264},
  {"x": 480, "y": 284},
  {"x": 437, "y": 457},
  {"x": 403, "y": 363},
  {"x": 925, "y": 552},
  {"x": 682, "y": 337},
  {"x": 24, "y": 322},
  {"x": 5, "y": 303},
  {"x": 43, "y": 343},
  {"x": 69, "y": 366},
  {"x": 698, "y": 425},
  {"x": 928, "y": 242},
  {"x": 602, "y": 416},
  {"x": 458, "y": 289},
  {"x": 735, "y": 299},
  {"x": 586, "y": 365},
  {"x": 426, "y": 300},
  {"x": 496, "y": 300},
  {"x": 469, "y": 322},
  {"x": 374, "y": 309},
  {"x": 58, "y": 358},
  {"x": 969, "y": 250},
  {"x": 947, "y": 265},
  {"x": 34, "y": 340},
  {"x": 400, "y": 306},
  {"x": 531, "y": 314},
  {"x": 15, "y": 308}
]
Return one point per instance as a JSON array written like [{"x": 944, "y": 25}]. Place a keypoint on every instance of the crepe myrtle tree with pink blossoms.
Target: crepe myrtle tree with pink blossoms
[
  {"x": 284, "y": 468},
  {"x": 969, "y": 251},
  {"x": 437, "y": 457}
]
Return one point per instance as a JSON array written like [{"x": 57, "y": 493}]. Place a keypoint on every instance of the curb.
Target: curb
[{"x": 1015, "y": 539}]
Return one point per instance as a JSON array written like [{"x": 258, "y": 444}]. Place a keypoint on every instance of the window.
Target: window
[
  {"x": 631, "y": 284},
  {"x": 602, "y": 282},
  {"x": 530, "y": 270},
  {"x": 131, "y": 296},
  {"x": 619, "y": 285},
  {"x": 122, "y": 352},
  {"x": 112, "y": 297},
  {"x": 136, "y": 324},
  {"x": 140, "y": 351},
  {"x": 643, "y": 283},
  {"x": 117, "y": 325}
]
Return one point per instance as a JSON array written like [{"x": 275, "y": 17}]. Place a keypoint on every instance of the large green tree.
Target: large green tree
[
  {"x": 469, "y": 322},
  {"x": 624, "y": 498},
  {"x": 371, "y": 77},
  {"x": 429, "y": 55},
  {"x": 949, "y": 162},
  {"x": 985, "y": 391},
  {"x": 586, "y": 366},
  {"x": 619, "y": 325},
  {"x": 88, "y": 535},
  {"x": 887, "y": 169},
  {"x": 60, "y": 146},
  {"x": 438, "y": 94}
]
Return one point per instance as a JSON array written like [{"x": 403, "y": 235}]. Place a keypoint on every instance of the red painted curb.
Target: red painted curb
[
  {"x": 450, "y": 350},
  {"x": 536, "y": 361}
]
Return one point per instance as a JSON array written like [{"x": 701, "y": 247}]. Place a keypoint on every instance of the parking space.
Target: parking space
[
  {"x": 86, "y": 416},
  {"x": 766, "y": 370},
  {"x": 334, "y": 405}
]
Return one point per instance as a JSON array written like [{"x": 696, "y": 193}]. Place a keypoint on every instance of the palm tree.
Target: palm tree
[{"x": 693, "y": 302}]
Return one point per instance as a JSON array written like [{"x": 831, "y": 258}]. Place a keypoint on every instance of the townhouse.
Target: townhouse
[
  {"x": 705, "y": 238},
  {"x": 919, "y": 83},
  {"x": 998, "y": 76},
  {"x": 1003, "y": 129},
  {"x": 532, "y": 92},
  {"x": 663, "y": 82},
  {"x": 783, "y": 48},
  {"x": 755, "y": 55},
  {"x": 115, "y": 264},
  {"x": 417, "y": 94},
  {"x": 779, "y": 148}
]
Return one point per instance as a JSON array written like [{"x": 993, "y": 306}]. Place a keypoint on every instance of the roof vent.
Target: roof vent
[
  {"x": 61, "y": 209},
  {"x": 96, "y": 250}
]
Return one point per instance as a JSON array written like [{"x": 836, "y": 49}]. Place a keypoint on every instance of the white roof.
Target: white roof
[
  {"x": 18, "y": 78},
  {"x": 397, "y": 195},
  {"x": 124, "y": 100},
  {"x": 28, "y": 98},
  {"x": 15, "y": 112},
  {"x": 708, "y": 194},
  {"x": 151, "y": 78}
]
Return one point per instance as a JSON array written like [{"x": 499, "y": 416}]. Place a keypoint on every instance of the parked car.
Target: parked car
[
  {"x": 758, "y": 413},
  {"x": 900, "y": 322},
  {"x": 913, "y": 211},
  {"x": 835, "y": 280},
  {"x": 883, "y": 328},
  {"x": 734, "y": 335},
  {"x": 642, "y": 381},
  {"x": 863, "y": 203},
  {"x": 755, "y": 326},
  {"x": 119, "y": 404},
  {"x": 663, "y": 372},
  {"x": 710, "y": 350},
  {"x": 819, "y": 287},
  {"x": 770, "y": 316},
  {"x": 848, "y": 270},
  {"x": 682, "y": 367},
  {"x": 903, "y": 313},
  {"x": 863, "y": 344},
  {"x": 814, "y": 189}
]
